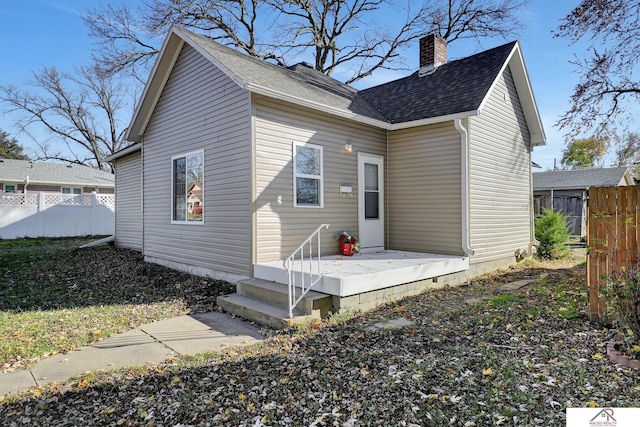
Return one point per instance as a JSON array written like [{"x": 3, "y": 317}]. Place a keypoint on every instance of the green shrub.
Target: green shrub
[{"x": 552, "y": 231}]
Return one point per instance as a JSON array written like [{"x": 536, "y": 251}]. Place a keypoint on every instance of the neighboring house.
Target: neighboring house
[
  {"x": 194, "y": 199},
  {"x": 43, "y": 199},
  {"x": 438, "y": 162},
  {"x": 566, "y": 191},
  {"x": 28, "y": 177}
]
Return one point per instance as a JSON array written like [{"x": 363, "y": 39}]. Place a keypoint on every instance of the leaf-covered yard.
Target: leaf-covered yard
[
  {"x": 471, "y": 356},
  {"x": 55, "y": 297}
]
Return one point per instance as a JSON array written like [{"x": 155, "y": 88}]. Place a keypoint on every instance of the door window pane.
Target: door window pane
[
  {"x": 370, "y": 176},
  {"x": 371, "y": 205},
  {"x": 371, "y": 193}
]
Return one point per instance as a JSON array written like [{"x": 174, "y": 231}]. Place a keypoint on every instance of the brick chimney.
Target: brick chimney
[{"x": 433, "y": 53}]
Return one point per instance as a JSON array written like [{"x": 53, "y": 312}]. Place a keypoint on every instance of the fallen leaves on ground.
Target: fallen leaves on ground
[
  {"x": 497, "y": 361},
  {"x": 55, "y": 297}
]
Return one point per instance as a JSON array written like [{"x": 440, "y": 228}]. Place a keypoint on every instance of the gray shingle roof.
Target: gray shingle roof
[
  {"x": 298, "y": 81},
  {"x": 16, "y": 171},
  {"x": 578, "y": 179},
  {"x": 455, "y": 87}
]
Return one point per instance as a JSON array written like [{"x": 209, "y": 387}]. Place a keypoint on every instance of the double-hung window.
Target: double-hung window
[
  {"x": 187, "y": 193},
  {"x": 307, "y": 174}
]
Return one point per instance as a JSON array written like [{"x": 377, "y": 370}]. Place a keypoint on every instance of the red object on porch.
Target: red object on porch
[{"x": 346, "y": 249}]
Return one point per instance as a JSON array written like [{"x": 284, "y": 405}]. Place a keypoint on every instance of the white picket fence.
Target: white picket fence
[{"x": 56, "y": 215}]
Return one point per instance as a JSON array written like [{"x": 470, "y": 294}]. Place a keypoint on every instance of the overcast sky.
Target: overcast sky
[{"x": 38, "y": 33}]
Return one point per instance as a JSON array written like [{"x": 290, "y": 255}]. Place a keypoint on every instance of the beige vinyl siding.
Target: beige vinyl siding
[
  {"x": 281, "y": 227},
  {"x": 500, "y": 176},
  {"x": 200, "y": 109},
  {"x": 423, "y": 190},
  {"x": 129, "y": 201}
]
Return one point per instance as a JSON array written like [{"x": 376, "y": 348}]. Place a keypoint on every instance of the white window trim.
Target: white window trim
[
  {"x": 318, "y": 177},
  {"x": 179, "y": 156},
  {"x": 4, "y": 188}
]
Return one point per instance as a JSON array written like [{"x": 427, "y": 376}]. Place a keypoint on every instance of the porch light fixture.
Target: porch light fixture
[{"x": 348, "y": 148}]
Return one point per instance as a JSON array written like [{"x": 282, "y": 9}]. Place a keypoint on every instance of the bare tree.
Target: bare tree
[
  {"x": 608, "y": 85},
  {"x": 80, "y": 111},
  {"x": 127, "y": 40},
  {"x": 477, "y": 19},
  {"x": 337, "y": 33},
  {"x": 332, "y": 31}
]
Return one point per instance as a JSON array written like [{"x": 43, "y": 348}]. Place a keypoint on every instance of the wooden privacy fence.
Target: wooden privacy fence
[{"x": 612, "y": 236}]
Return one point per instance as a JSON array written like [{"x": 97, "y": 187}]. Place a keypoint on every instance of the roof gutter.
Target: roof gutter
[
  {"x": 261, "y": 90},
  {"x": 128, "y": 150},
  {"x": 433, "y": 120},
  {"x": 464, "y": 154}
]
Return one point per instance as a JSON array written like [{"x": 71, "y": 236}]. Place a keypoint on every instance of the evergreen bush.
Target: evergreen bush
[{"x": 552, "y": 231}]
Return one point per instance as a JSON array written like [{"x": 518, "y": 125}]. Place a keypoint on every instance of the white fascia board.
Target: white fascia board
[
  {"x": 525, "y": 93},
  {"x": 260, "y": 90},
  {"x": 161, "y": 71},
  {"x": 121, "y": 153},
  {"x": 523, "y": 85}
]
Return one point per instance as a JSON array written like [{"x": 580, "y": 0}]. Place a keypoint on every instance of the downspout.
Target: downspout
[
  {"x": 387, "y": 174},
  {"x": 142, "y": 212},
  {"x": 532, "y": 234},
  {"x": 464, "y": 160}
]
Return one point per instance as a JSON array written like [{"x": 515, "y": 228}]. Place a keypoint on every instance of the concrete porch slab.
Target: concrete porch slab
[{"x": 365, "y": 272}]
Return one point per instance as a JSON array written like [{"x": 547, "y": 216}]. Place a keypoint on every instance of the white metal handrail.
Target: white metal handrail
[{"x": 306, "y": 264}]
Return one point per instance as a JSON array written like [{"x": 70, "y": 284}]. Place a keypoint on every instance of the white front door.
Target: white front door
[{"x": 370, "y": 202}]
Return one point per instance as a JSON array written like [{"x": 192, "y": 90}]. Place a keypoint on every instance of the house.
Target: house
[
  {"x": 566, "y": 191},
  {"x": 26, "y": 176},
  {"x": 431, "y": 172},
  {"x": 43, "y": 199},
  {"x": 194, "y": 199}
]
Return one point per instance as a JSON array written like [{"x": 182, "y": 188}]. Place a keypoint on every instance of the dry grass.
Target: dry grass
[{"x": 55, "y": 297}]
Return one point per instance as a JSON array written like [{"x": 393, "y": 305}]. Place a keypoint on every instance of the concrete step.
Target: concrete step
[
  {"x": 261, "y": 312},
  {"x": 313, "y": 303}
]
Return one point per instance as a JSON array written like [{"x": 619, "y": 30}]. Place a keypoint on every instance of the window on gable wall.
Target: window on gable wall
[
  {"x": 187, "y": 201},
  {"x": 308, "y": 179}
]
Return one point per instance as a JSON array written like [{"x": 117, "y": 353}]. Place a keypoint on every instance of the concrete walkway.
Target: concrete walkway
[{"x": 154, "y": 342}]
